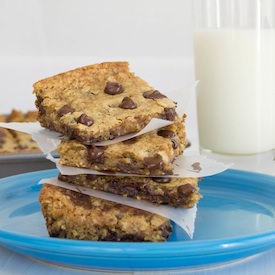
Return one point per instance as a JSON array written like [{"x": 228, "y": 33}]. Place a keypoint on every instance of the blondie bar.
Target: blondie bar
[
  {"x": 150, "y": 154},
  {"x": 177, "y": 192},
  {"x": 72, "y": 215},
  {"x": 99, "y": 102},
  {"x": 25, "y": 143}
]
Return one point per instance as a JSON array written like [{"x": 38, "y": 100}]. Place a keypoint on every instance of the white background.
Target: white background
[{"x": 40, "y": 38}]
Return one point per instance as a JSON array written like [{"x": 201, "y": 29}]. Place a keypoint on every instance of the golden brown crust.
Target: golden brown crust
[
  {"x": 72, "y": 215},
  {"x": 80, "y": 104},
  {"x": 150, "y": 154}
]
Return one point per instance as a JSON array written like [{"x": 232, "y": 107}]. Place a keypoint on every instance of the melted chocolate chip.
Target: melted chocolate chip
[
  {"x": 65, "y": 110},
  {"x": 79, "y": 199},
  {"x": 186, "y": 189},
  {"x": 175, "y": 144},
  {"x": 153, "y": 163},
  {"x": 166, "y": 230},
  {"x": 127, "y": 103},
  {"x": 86, "y": 120},
  {"x": 169, "y": 113},
  {"x": 38, "y": 100},
  {"x": 96, "y": 154},
  {"x": 127, "y": 167},
  {"x": 21, "y": 147},
  {"x": 130, "y": 191},
  {"x": 166, "y": 133},
  {"x": 63, "y": 177},
  {"x": 153, "y": 94},
  {"x": 91, "y": 177},
  {"x": 161, "y": 179},
  {"x": 113, "y": 88},
  {"x": 130, "y": 141},
  {"x": 196, "y": 166}
]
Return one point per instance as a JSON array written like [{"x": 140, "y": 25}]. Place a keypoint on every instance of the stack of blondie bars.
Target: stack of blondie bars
[{"x": 98, "y": 103}]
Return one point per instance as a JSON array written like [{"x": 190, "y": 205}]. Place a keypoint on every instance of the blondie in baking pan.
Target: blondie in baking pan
[{"x": 18, "y": 152}]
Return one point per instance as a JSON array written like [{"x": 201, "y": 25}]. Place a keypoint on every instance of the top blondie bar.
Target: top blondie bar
[{"x": 99, "y": 102}]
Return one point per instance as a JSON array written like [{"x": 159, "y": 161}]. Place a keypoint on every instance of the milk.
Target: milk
[{"x": 236, "y": 92}]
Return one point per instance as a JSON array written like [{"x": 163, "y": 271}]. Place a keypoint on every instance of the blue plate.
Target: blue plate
[{"x": 235, "y": 219}]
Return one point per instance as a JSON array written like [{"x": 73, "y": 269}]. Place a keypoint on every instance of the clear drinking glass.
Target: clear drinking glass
[{"x": 234, "y": 51}]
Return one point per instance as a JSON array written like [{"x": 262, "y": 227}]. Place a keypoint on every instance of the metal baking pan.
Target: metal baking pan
[{"x": 13, "y": 164}]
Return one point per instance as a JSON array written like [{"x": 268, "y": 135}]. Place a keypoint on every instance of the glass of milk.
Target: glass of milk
[{"x": 234, "y": 50}]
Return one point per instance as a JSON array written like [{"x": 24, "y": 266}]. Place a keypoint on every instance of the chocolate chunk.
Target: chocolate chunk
[
  {"x": 65, "y": 110},
  {"x": 113, "y": 88},
  {"x": 127, "y": 103},
  {"x": 63, "y": 177},
  {"x": 91, "y": 177},
  {"x": 96, "y": 154},
  {"x": 130, "y": 141},
  {"x": 130, "y": 191},
  {"x": 38, "y": 103},
  {"x": 127, "y": 167},
  {"x": 161, "y": 179},
  {"x": 196, "y": 166},
  {"x": 38, "y": 100},
  {"x": 186, "y": 189},
  {"x": 166, "y": 230},
  {"x": 153, "y": 94},
  {"x": 169, "y": 113},
  {"x": 86, "y": 120},
  {"x": 153, "y": 163},
  {"x": 175, "y": 144},
  {"x": 21, "y": 147},
  {"x": 79, "y": 199},
  {"x": 111, "y": 236},
  {"x": 166, "y": 133}
]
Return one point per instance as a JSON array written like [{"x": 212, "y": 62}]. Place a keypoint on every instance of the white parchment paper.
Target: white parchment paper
[
  {"x": 185, "y": 166},
  {"x": 185, "y": 218}
]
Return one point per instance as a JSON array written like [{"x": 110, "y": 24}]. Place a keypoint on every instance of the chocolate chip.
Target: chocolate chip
[
  {"x": 65, "y": 110},
  {"x": 196, "y": 166},
  {"x": 161, "y": 179},
  {"x": 166, "y": 133},
  {"x": 38, "y": 100},
  {"x": 169, "y": 113},
  {"x": 96, "y": 154},
  {"x": 91, "y": 177},
  {"x": 186, "y": 189},
  {"x": 153, "y": 163},
  {"x": 38, "y": 103},
  {"x": 166, "y": 230},
  {"x": 21, "y": 147},
  {"x": 127, "y": 167},
  {"x": 175, "y": 144},
  {"x": 113, "y": 88},
  {"x": 111, "y": 236},
  {"x": 130, "y": 141},
  {"x": 129, "y": 190},
  {"x": 127, "y": 103},
  {"x": 153, "y": 94},
  {"x": 41, "y": 110},
  {"x": 62, "y": 177},
  {"x": 86, "y": 120}
]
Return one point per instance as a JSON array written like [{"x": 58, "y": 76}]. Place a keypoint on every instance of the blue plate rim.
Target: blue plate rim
[{"x": 264, "y": 240}]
